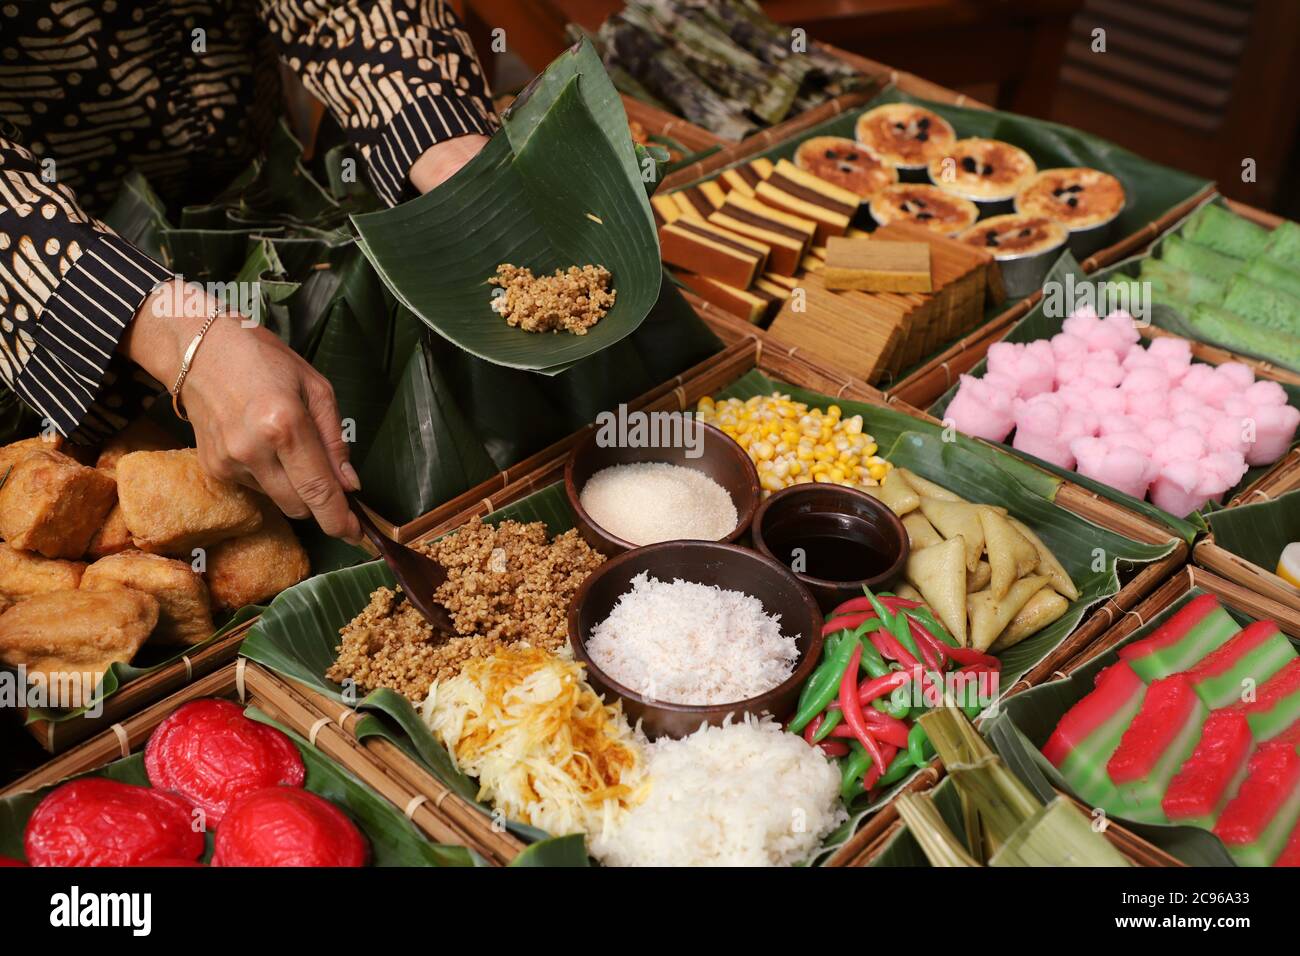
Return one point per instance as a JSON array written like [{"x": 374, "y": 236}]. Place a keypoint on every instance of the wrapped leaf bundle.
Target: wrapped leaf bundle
[{"x": 724, "y": 66}]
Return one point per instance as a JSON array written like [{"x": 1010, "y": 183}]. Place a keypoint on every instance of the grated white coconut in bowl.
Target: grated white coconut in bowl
[
  {"x": 687, "y": 643},
  {"x": 744, "y": 794}
]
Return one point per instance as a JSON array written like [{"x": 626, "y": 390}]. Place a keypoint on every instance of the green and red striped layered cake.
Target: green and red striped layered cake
[
  {"x": 1198, "y": 629},
  {"x": 1276, "y": 705},
  {"x": 1156, "y": 744},
  {"x": 1196, "y": 725},
  {"x": 1212, "y": 774},
  {"x": 1229, "y": 674},
  {"x": 1256, "y": 825},
  {"x": 1091, "y": 730}
]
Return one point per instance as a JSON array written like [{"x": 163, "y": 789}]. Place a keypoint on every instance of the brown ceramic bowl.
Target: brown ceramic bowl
[
  {"x": 727, "y": 566},
  {"x": 720, "y": 458},
  {"x": 789, "y": 516}
]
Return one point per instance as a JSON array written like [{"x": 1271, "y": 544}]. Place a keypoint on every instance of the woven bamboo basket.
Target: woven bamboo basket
[
  {"x": 418, "y": 527},
  {"x": 1137, "y": 851},
  {"x": 1208, "y": 553},
  {"x": 924, "y": 386},
  {"x": 766, "y": 139},
  {"x": 1233, "y": 595},
  {"x": 1230, "y": 593},
  {"x": 58, "y": 736},
  {"x": 657, "y": 122},
  {"x": 251, "y": 685}
]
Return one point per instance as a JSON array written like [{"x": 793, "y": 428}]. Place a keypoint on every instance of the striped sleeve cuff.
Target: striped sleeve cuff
[
  {"x": 427, "y": 120},
  {"x": 80, "y": 327}
]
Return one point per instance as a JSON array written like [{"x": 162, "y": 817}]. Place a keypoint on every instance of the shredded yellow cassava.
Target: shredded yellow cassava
[{"x": 545, "y": 749}]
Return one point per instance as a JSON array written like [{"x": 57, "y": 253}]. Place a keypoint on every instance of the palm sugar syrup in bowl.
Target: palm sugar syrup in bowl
[{"x": 835, "y": 539}]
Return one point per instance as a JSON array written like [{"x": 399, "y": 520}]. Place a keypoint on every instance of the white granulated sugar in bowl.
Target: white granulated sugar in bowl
[
  {"x": 652, "y": 501},
  {"x": 687, "y": 643},
  {"x": 744, "y": 794}
]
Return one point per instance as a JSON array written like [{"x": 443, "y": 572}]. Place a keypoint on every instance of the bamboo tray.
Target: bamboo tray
[
  {"x": 1209, "y": 554},
  {"x": 417, "y": 527},
  {"x": 740, "y": 357},
  {"x": 58, "y": 736},
  {"x": 925, "y": 385},
  {"x": 1231, "y": 594},
  {"x": 1132, "y": 847},
  {"x": 766, "y": 139},
  {"x": 253, "y": 686}
]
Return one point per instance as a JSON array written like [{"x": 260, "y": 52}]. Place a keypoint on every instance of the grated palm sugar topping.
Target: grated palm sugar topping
[
  {"x": 571, "y": 300},
  {"x": 505, "y": 584}
]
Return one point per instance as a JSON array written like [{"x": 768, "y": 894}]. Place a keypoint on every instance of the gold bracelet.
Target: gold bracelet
[{"x": 188, "y": 360}]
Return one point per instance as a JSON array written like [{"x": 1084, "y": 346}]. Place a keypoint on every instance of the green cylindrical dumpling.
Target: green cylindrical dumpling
[
  {"x": 1202, "y": 260},
  {"x": 1181, "y": 284},
  {"x": 1284, "y": 245},
  {"x": 1264, "y": 304},
  {"x": 1218, "y": 326},
  {"x": 1226, "y": 232},
  {"x": 1272, "y": 273}
]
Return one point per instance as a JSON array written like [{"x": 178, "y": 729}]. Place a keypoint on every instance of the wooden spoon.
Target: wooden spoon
[{"x": 417, "y": 575}]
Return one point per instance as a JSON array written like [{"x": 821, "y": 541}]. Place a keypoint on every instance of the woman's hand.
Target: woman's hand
[
  {"x": 262, "y": 416},
  {"x": 443, "y": 160}
]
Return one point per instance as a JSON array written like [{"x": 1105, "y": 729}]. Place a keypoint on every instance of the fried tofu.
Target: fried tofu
[
  {"x": 73, "y": 637},
  {"x": 111, "y": 538},
  {"x": 141, "y": 435},
  {"x": 15, "y": 452},
  {"x": 53, "y": 505},
  {"x": 184, "y": 612},
  {"x": 172, "y": 506},
  {"x": 258, "y": 566},
  {"x": 24, "y": 575}
]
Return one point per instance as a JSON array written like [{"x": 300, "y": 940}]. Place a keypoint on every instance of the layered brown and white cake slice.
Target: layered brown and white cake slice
[
  {"x": 788, "y": 236},
  {"x": 753, "y": 305},
  {"x": 699, "y": 202},
  {"x": 709, "y": 250},
  {"x": 794, "y": 191}
]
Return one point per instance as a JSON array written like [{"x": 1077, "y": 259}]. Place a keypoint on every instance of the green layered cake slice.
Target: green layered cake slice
[
  {"x": 1202, "y": 260},
  {"x": 1276, "y": 704},
  {"x": 1275, "y": 274},
  {"x": 1284, "y": 245},
  {"x": 1226, "y": 232},
  {"x": 1157, "y": 743},
  {"x": 1198, "y": 629},
  {"x": 1257, "y": 823},
  {"x": 1169, "y": 281},
  {"x": 1090, "y": 731},
  {"x": 1229, "y": 674},
  {"x": 1264, "y": 304},
  {"x": 1219, "y": 326},
  {"x": 1212, "y": 774}
]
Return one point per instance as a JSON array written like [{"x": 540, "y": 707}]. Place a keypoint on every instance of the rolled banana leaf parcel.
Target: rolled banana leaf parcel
[{"x": 559, "y": 186}]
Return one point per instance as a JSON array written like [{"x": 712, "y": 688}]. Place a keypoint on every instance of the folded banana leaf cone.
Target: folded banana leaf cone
[{"x": 558, "y": 185}]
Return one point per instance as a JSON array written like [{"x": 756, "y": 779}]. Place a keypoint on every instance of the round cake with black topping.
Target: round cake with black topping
[
  {"x": 904, "y": 135},
  {"x": 985, "y": 170},
  {"x": 1076, "y": 196},
  {"x": 923, "y": 205},
  {"x": 1015, "y": 236},
  {"x": 846, "y": 164}
]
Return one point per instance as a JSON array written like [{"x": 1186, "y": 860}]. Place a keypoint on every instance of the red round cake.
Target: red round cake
[
  {"x": 211, "y": 754},
  {"x": 284, "y": 826},
  {"x": 100, "y": 822}
]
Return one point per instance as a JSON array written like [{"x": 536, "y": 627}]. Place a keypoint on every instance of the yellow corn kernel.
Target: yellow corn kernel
[
  {"x": 837, "y": 474},
  {"x": 796, "y": 468},
  {"x": 821, "y": 479}
]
